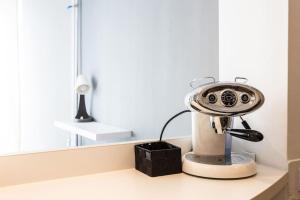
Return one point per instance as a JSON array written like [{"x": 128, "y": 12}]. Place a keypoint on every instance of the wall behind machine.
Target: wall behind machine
[
  {"x": 253, "y": 46},
  {"x": 141, "y": 56}
]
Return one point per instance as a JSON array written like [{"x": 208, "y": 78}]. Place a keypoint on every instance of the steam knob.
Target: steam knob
[
  {"x": 245, "y": 98},
  {"x": 212, "y": 98}
]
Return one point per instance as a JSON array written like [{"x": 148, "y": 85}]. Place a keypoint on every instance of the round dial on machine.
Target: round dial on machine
[
  {"x": 245, "y": 98},
  {"x": 228, "y": 98},
  {"x": 212, "y": 98}
]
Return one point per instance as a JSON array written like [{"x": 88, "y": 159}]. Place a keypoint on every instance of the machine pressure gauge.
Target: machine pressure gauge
[{"x": 228, "y": 98}]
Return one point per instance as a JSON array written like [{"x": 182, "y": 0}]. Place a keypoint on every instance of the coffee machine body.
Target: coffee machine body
[{"x": 214, "y": 106}]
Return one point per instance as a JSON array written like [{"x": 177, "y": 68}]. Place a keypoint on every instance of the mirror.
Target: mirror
[{"x": 138, "y": 56}]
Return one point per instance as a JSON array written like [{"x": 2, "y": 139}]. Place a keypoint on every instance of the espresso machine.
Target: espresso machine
[{"x": 214, "y": 105}]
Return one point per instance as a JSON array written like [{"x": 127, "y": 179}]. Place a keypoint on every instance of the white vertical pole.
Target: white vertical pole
[{"x": 75, "y": 140}]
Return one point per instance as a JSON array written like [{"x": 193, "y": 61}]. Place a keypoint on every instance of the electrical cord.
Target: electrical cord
[{"x": 166, "y": 124}]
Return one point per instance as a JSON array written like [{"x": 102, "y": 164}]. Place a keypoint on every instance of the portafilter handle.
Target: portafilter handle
[{"x": 246, "y": 134}]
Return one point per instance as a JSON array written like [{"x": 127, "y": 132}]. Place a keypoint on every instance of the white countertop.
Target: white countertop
[{"x": 133, "y": 185}]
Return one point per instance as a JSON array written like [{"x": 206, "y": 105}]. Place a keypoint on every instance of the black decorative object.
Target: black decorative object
[
  {"x": 82, "y": 87},
  {"x": 158, "y": 159},
  {"x": 82, "y": 115}
]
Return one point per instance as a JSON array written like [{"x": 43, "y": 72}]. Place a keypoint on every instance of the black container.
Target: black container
[{"x": 158, "y": 158}]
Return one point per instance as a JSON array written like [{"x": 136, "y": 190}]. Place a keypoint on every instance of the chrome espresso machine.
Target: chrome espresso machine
[{"x": 214, "y": 105}]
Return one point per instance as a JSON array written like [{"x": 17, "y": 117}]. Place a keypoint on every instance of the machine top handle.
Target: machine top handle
[
  {"x": 193, "y": 84},
  {"x": 239, "y": 79}
]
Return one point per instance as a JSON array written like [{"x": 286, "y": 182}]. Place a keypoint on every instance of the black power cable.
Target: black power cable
[{"x": 166, "y": 124}]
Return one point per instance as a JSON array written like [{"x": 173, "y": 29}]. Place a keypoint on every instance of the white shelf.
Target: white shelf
[{"x": 93, "y": 130}]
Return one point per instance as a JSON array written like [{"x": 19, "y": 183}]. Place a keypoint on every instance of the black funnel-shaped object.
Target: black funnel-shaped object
[{"x": 82, "y": 115}]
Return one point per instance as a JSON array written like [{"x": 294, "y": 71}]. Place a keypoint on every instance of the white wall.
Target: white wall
[
  {"x": 142, "y": 54},
  {"x": 253, "y": 44},
  {"x": 9, "y": 120},
  {"x": 46, "y": 36}
]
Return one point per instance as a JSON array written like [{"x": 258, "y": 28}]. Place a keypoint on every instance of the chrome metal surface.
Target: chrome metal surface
[
  {"x": 229, "y": 99},
  {"x": 221, "y": 124}
]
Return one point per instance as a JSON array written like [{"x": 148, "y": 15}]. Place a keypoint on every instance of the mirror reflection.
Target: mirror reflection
[{"x": 97, "y": 71}]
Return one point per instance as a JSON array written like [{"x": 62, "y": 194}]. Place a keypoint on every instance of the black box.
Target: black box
[{"x": 158, "y": 158}]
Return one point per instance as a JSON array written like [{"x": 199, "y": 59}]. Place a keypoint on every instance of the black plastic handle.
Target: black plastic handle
[{"x": 246, "y": 134}]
